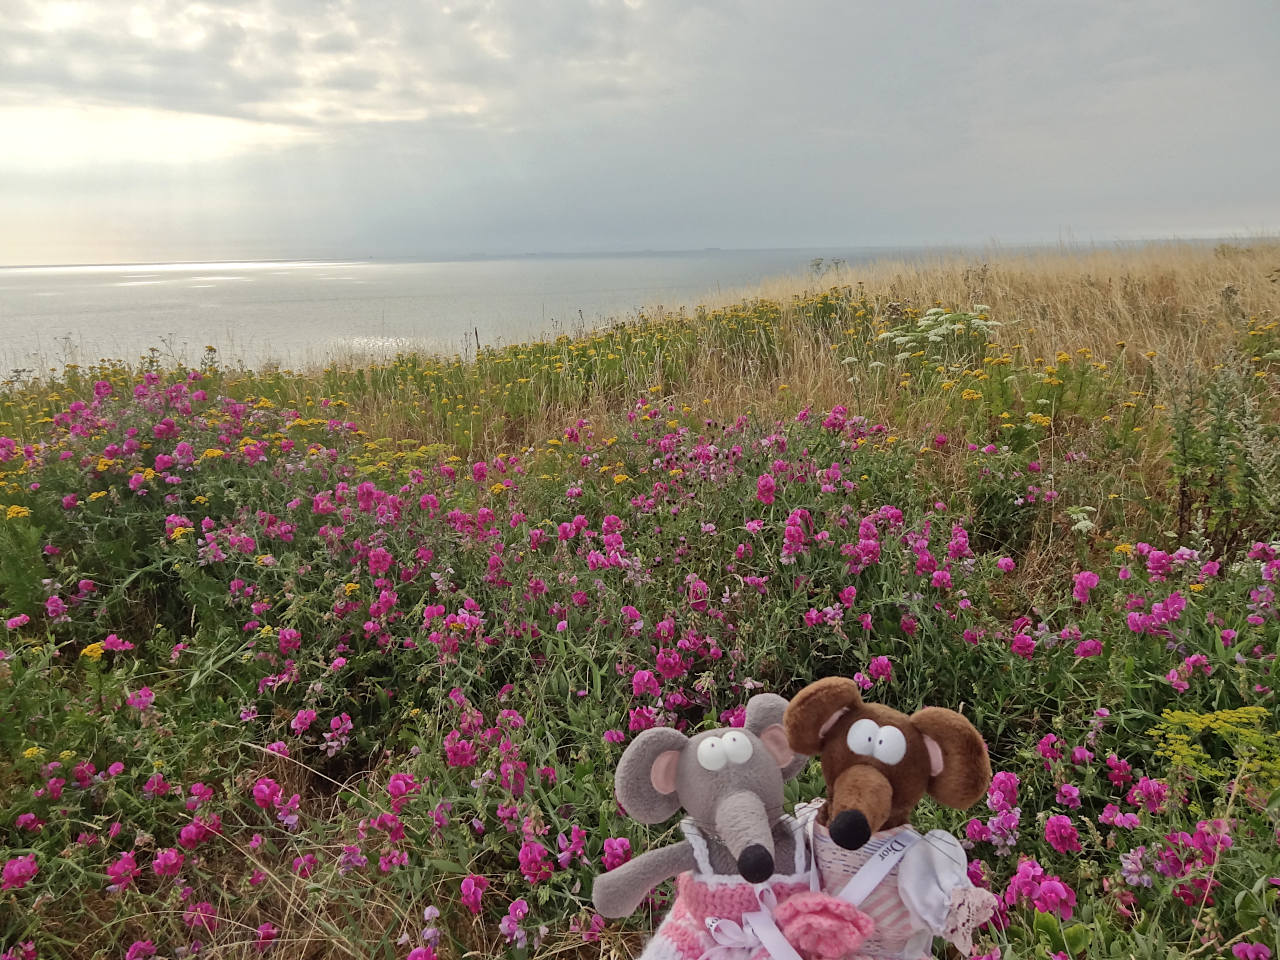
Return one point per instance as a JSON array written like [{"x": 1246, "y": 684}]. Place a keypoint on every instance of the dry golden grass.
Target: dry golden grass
[{"x": 1181, "y": 300}]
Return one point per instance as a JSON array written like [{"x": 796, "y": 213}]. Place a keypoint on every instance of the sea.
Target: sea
[{"x": 307, "y": 313}]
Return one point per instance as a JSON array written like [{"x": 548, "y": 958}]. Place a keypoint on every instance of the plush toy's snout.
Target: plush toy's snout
[{"x": 743, "y": 825}]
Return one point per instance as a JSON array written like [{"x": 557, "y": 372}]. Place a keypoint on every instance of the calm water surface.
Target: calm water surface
[{"x": 306, "y": 312}]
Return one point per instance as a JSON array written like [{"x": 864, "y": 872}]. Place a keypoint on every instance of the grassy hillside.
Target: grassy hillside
[{"x": 339, "y": 662}]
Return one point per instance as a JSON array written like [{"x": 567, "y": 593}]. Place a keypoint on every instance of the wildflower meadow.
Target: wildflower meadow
[{"x": 339, "y": 663}]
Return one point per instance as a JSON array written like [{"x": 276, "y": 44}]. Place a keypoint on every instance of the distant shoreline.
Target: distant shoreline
[{"x": 877, "y": 249}]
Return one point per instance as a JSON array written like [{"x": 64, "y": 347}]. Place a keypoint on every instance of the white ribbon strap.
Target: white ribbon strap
[
  {"x": 883, "y": 856},
  {"x": 758, "y": 929}
]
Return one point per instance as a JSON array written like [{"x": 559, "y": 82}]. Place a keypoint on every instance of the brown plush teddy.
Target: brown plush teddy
[{"x": 878, "y": 764}]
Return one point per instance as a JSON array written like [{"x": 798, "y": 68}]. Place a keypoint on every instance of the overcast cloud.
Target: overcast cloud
[{"x": 165, "y": 129}]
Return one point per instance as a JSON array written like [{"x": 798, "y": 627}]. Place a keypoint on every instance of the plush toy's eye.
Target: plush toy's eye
[
  {"x": 711, "y": 754},
  {"x": 737, "y": 747},
  {"x": 862, "y": 737},
  {"x": 891, "y": 745}
]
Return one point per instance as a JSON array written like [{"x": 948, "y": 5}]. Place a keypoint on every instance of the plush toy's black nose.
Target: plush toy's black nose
[
  {"x": 850, "y": 829},
  {"x": 755, "y": 863}
]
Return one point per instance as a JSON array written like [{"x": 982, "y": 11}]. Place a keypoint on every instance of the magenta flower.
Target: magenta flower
[
  {"x": 1005, "y": 565},
  {"x": 1251, "y": 951},
  {"x": 266, "y": 933},
  {"x": 18, "y": 872},
  {"x": 1002, "y": 794},
  {"x": 302, "y": 721},
  {"x": 1112, "y": 816},
  {"x": 1069, "y": 796},
  {"x": 167, "y": 862},
  {"x": 1085, "y": 581},
  {"x": 266, "y": 792},
  {"x": 21, "y": 620},
  {"x": 1055, "y": 897},
  {"x": 644, "y": 682},
  {"x": 1088, "y": 648},
  {"x": 115, "y": 644},
  {"x": 305, "y": 865},
  {"x": 880, "y": 668},
  {"x": 617, "y": 851},
  {"x": 765, "y": 487},
  {"x": 140, "y": 950},
  {"x": 401, "y": 787},
  {"x": 1023, "y": 646},
  {"x": 1062, "y": 834},
  {"x": 142, "y": 700},
  {"x": 535, "y": 862},
  {"x": 122, "y": 872},
  {"x": 201, "y": 916},
  {"x": 472, "y": 889}
]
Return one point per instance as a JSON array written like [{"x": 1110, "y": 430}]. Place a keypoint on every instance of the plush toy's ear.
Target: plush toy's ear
[
  {"x": 645, "y": 781},
  {"x": 960, "y": 770},
  {"x": 764, "y": 718},
  {"x": 814, "y": 709}
]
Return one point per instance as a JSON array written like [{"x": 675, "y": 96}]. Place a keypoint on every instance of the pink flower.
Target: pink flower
[
  {"x": 167, "y": 862},
  {"x": 1056, "y": 897},
  {"x": 1069, "y": 796},
  {"x": 1047, "y": 749},
  {"x": 1005, "y": 565},
  {"x": 472, "y": 889},
  {"x": 266, "y": 933},
  {"x": 1085, "y": 581},
  {"x": 201, "y": 916},
  {"x": 1002, "y": 794},
  {"x": 21, "y": 620},
  {"x": 305, "y": 865},
  {"x": 1061, "y": 834},
  {"x": 535, "y": 861},
  {"x": 422, "y": 953},
  {"x": 765, "y": 487},
  {"x": 18, "y": 872},
  {"x": 114, "y": 643},
  {"x": 880, "y": 668},
  {"x": 1088, "y": 648},
  {"x": 141, "y": 700},
  {"x": 617, "y": 851},
  {"x": 401, "y": 787},
  {"x": 644, "y": 682},
  {"x": 1112, "y": 816},
  {"x": 1251, "y": 951},
  {"x": 140, "y": 950},
  {"x": 976, "y": 831},
  {"x": 266, "y": 792},
  {"x": 1023, "y": 646},
  {"x": 302, "y": 721},
  {"x": 122, "y": 872}
]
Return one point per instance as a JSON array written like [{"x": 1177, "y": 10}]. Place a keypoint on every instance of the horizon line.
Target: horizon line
[{"x": 586, "y": 254}]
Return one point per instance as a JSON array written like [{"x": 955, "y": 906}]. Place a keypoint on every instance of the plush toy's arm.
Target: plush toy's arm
[
  {"x": 934, "y": 884},
  {"x": 618, "y": 892}
]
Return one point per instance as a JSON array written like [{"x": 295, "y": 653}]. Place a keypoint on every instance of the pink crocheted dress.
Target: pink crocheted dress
[{"x": 711, "y": 917}]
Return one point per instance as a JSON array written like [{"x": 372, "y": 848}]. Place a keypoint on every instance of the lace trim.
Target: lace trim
[{"x": 970, "y": 908}]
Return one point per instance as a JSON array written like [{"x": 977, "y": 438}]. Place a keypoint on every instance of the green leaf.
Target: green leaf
[{"x": 1077, "y": 937}]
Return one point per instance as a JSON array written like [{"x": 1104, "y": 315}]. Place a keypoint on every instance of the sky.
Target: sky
[{"x": 170, "y": 130}]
